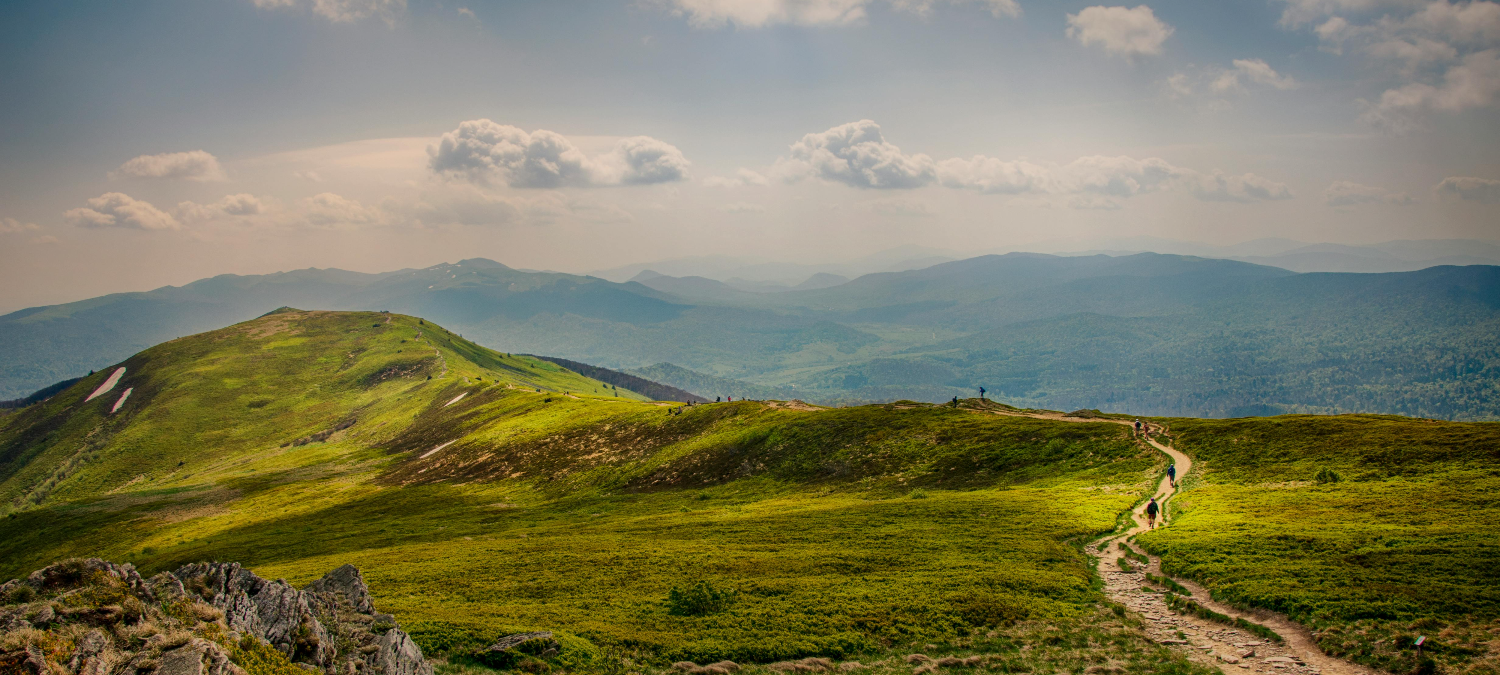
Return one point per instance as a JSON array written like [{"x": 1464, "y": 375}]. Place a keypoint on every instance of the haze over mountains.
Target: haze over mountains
[{"x": 1144, "y": 333}]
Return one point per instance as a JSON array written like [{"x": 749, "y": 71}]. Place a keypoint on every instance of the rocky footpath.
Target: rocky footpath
[{"x": 93, "y": 617}]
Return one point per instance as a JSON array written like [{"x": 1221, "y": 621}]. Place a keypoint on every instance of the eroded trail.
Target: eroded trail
[{"x": 1232, "y": 649}]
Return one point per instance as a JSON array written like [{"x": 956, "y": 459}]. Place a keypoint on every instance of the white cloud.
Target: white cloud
[
  {"x": 741, "y": 178},
  {"x": 1217, "y": 187},
  {"x": 341, "y": 11},
  {"x": 1444, "y": 57},
  {"x": 1301, "y": 12},
  {"x": 114, "y": 209},
  {"x": 760, "y": 13},
  {"x": 465, "y": 205},
  {"x": 13, "y": 226},
  {"x": 1345, "y": 193},
  {"x": 308, "y": 176},
  {"x": 329, "y": 210},
  {"x": 1473, "y": 83},
  {"x": 485, "y": 151},
  {"x": 230, "y": 205},
  {"x": 195, "y": 165},
  {"x": 744, "y": 207},
  {"x": 1119, "y": 30},
  {"x": 858, "y": 155},
  {"x": 1482, "y": 190}
]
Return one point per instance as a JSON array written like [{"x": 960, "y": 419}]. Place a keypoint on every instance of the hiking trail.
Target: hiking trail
[{"x": 1229, "y": 648}]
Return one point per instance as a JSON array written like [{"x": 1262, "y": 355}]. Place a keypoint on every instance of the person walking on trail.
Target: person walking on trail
[
  {"x": 1172, "y": 474},
  {"x": 1151, "y": 510},
  {"x": 1137, "y": 427}
]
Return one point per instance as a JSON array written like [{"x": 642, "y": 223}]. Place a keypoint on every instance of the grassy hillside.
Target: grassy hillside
[
  {"x": 1373, "y": 530},
  {"x": 836, "y": 532}
]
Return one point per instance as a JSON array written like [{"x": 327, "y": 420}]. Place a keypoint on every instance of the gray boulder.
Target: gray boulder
[
  {"x": 346, "y": 581},
  {"x": 396, "y": 654},
  {"x": 270, "y": 610}
]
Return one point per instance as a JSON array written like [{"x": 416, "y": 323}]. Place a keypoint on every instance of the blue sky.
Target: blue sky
[{"x": 157, "y": 142}]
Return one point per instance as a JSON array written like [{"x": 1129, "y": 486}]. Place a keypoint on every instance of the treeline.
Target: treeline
[{"x": 640, "y": 385}]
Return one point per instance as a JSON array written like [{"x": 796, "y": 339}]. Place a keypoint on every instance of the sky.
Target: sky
[{"x": 162, "y": 141}]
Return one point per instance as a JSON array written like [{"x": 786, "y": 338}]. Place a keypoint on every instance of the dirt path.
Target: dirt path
[{"x": 1232, "y": 649}]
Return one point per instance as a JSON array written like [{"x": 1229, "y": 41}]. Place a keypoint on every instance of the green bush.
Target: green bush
[
  {"x": 699, "y": 599},
  {"x": 1327, "y": 475}
]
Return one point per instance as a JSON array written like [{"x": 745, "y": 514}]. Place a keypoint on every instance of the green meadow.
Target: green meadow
[
  {"x": 484, "y": 494},
  {"x": 1372, "y": 530}
]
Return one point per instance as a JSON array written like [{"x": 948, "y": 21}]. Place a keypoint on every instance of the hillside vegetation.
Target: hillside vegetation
[
  {"x": 1144, "y": 334},
  {"x": 1371, "y": 530},
  {"x": 478, "y": 506}
]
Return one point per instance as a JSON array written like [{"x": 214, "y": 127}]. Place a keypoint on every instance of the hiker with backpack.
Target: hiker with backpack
[
  {"x": 1172, "y": 474},
  {"x": 1151, "y": 510},
  {"x": 1137, "y": 427}
]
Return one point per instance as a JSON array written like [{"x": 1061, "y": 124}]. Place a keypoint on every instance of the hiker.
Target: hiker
[
  {"x": 955, "y": 401},
  {"x": 1137, "y": 427},
  {"x": 1151, "y": 510},
  {"x": 1172, "y": 474},
  {"x": 718, "y": 399},
  {"x": 981, "y": 392}
]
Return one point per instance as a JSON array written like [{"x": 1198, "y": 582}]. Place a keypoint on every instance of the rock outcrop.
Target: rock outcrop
[{"x": 94, "y": 617}]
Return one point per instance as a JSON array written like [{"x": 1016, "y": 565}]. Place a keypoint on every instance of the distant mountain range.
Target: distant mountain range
[{"x": 1144, "y": 333}]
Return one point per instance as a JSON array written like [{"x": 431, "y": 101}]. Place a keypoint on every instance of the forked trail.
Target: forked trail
[{"x": 1232, "y": 649}]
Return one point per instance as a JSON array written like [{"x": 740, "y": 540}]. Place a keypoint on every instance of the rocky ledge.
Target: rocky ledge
[{"x": 93, "y": 617}]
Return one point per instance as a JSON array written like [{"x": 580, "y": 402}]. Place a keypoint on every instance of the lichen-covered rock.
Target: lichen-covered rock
[
  {"x": 396, "y": 654},
  {"x": 199, "y": 657},
  {"x": 270, "y": 610},
  {"x": 347, "y": 581},
  {"x": 93, "y": 617}
]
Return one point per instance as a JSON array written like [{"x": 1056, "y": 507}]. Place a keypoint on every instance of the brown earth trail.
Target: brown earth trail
[{"x": 1232, "y": 649}]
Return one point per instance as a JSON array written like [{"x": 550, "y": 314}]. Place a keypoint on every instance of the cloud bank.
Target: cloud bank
[
  {"x": 195, "y": 165},
  {"x": 485, "y": 151},
  {"x": 1482, "y": 190},
  {"x": 115, "y": 209},
  {"x": 858, "y": 155}
]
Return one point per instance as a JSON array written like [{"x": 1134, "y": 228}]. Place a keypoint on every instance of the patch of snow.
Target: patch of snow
[
  {"x": 440, "y": 447},
  {"x": 123, "y": 395},
  {"x": 456, "y": 399},
  {"x": 114, "y": 379}
]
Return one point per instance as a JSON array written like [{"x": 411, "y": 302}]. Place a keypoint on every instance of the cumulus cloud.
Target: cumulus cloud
[
  {"x": 333, "y": 211},
  {"x": 485, "y": 151},
  {"x": 1444, "y": 57},
  {"x": 230, "y": 205},
  {"x": 1217, "y": 187},
  {"x": 1256, "y": 71},
  {"x": 858, "y": 155},
  {"x": 759, "y": 13},
  {"x": 341, "y": 11},
  {"x": 1119, "y": 30},
  {"x": 1473, "y": 83},
  {"x": 1482, "y": 190},
  {"x": 195, "y": 165},
  {"x": 1345, "y": 193},
  {"x": 13, "y": 226},
  {"x": 114, "y": 209}
]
